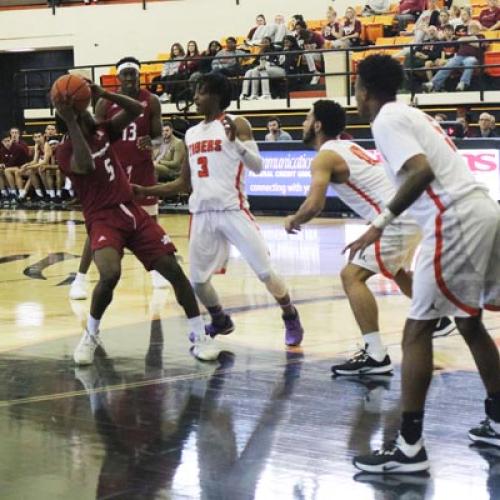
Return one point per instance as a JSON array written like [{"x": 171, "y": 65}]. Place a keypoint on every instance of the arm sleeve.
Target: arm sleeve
[
  {"x": 249, "y": 152},
  {"x": 396, "y": 140}
]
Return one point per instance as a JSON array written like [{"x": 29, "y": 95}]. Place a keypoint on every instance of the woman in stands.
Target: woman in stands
[
  {"x": 191, "y": 63},
  {"x": 350, "y": 31},
  {"x": 258, "y": 77},
  {"x": 171, "y": 73}
]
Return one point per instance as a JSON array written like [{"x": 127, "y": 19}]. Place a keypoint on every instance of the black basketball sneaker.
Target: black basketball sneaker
[{"x": 362, "y": 363}]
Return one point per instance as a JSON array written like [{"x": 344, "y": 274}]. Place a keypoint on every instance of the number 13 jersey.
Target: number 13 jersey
[{"x": 217, "y": 176}]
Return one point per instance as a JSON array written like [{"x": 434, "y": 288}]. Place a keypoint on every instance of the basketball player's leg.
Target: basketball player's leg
[
  {"x": 241, "y": 231},
  {"x": 78, "y": 289},
  {"x": 36, "y": 182},
  {"x": 10, "y": 177},
  {"x": 157, "y": 280}
]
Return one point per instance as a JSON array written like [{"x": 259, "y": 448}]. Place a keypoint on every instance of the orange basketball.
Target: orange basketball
[{"x": 73, "y": 86}]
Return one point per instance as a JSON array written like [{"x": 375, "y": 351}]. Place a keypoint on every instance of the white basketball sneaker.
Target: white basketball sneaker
[
  {"x": 85, "y": 350},
  {"x": 158, "y": 280},
  {"x": 204, "y": 348},
  {"x": 78, "y": 290}
]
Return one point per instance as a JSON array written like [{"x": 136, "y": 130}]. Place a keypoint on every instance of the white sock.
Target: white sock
[
  {"x": 4, "y": 192},
  {"x": 51, "y": 193},
  {"x": 197, "y": 326},
  {"x": 22, "y": 193},
  {"x": 58, "y": 193},
  {"x": 71, "y": 192},
  {"x": 93, "y": 325},
  {"x": 39, "y": 193},
  {"x": 374, "y": 345},
  {"x": 80, "y": 278},
  {"x": 12, "y": 191}
]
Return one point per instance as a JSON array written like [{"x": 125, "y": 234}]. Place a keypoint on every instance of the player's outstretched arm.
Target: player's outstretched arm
[
  {"x": 327, "y": 167},
  {"x": 240, "y": 132}
]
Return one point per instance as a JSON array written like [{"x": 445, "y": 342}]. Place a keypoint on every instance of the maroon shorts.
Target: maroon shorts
[{"x": 129, "y": 226}]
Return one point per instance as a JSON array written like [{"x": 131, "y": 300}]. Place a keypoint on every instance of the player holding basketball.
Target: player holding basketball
[
  {"x": 134, "y": 149},
  {"x": 458, "y": 268},
  {"x": 114, "y": 221},
  {"x": 361, "y": 183},
  {"x": 219, "y": 147}
]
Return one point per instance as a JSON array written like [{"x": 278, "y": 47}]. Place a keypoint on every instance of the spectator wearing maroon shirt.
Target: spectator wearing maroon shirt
[
  {"x": 465, "y": 19},
  {"x": 349, "y": 31},
  {"x": 13, "y": 156},
  {"x": 490, "y": 17},
  {"x": 113, "y": 219},
  {"x": 15, "y": 134},
  {"x": 408, "y": 11},
  {"x": 310, "y": 40},
  {"x": 191, "y": 63},
  {"x": 447, "y": 50}
]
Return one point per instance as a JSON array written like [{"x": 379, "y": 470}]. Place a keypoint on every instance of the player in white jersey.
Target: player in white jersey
[
  {"x": 362, "y": 184},
  {"x": 458, "y": 269},
  {"x": 219, "y": 148}
]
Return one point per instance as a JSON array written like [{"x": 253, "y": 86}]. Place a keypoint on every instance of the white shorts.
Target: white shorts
[
  {"x": 211, "y": 235},
  {"x": 152, "y": 210},
  {"x": 393, "y": 252},
  {"x": 458, "y": 268}
]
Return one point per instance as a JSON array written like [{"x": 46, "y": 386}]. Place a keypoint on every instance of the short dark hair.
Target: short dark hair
[
  {"x": 128, "y": 59},
  {"x": 231, "y": 38},
  {"x": 6, "y": 135},
  {"x": 301, "y": 24},
  {"x": 331, "y": 115},
  {"x": 382, "y": 75},
  {"x": 274, "y": 119},
  {"x": 448, "y": 27},
  {"x": 217, "y": 84},
  {"x": 168, "y": 123}
]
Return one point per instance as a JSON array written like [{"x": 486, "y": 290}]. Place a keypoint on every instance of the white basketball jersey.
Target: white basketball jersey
[
  {"x": 217, "y": 175},
  {"x": 368, "y": 188},
  {"x": 401, "y": 132}
]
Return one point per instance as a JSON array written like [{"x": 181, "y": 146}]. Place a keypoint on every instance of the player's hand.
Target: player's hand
[
  {"x": 138, "y": 190},
  {"x": 291, "y": 227},
  {"x": 144, "y": 143},
  {"x": 97, "y": 91},
  {"x": 64, "y": 107},
  {"x": 368, "y": 238},
  {"x": 230, "y": 128}
]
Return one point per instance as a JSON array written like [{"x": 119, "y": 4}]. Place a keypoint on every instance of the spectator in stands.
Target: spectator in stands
[
  {"x": 486, "y": 125},
  {"x": 292, "y": 24},
  {"x": 447, "y": 51},
  {"x": 440, "y": 117},
  {"x": 191, "y": 63},
  {"x": 331, "y": 31},
  {"x": 408, "y": 11},
  {"x": 170, "y": 156},
  {"x": 30, "y": 171},
  {"x": 310, "y": 40},
  {"x": 12, "y": 157},
  {"x": 424, "y": 55},
  {"x": 467, "y": 56},
  {"x": 15, "y": 135},
  {"x": 260, "y": 31},
  {"x": 51, "y": 174},
  {"x": 207, "y": 57},
  {"x": 490, "y": 17},
  {"x": 280, "y": 29},
  {"x": 434, "y": 11},
  {"x": 258, "y": 77},
  {"x": 169, "y": 74},
  {"x": 276, "y": 133},
  {"x": 465, "y": 19},
  {"x": 291, "y": 62},
  {"x": 444, "y": 18},
  {"x": 227, "y": 61},
  {"x": 50, "y": 131},
  {"x": 455, "y": 19},
  {"x": 376, "y": 7},
  {"x": 465, "y": 122},
  {"x": 349, "y": 31}
]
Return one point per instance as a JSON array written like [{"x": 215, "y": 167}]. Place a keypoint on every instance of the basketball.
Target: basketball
[{"x": 73, "y": 86}]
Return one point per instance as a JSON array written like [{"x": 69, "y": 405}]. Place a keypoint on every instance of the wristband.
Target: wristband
[
  {"x": 240, "y": 147},
  {"x": 383, "y": 219}
]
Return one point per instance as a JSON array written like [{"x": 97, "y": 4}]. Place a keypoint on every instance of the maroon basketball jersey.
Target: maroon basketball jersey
[
  {"x": 104, "y": 188},
  {"x": 138, "y": 163}
]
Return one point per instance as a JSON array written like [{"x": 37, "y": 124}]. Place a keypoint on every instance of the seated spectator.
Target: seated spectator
[
  {"x": 487, "y": 125},
  {"x": 292, "y": 24},
  {"x": 455, "y": 19},
  {"x": 465, "y": 19},
  {"x": 280, "y": 30},
  {"x": 52, "y": 176},
  {"x": 260, "y": 31},
  {"x": 424, "y": 55},
  {"x": 258, "y": 77},
  {"x": 291, "y": 62},
  {"x": 490, "y": 17},
  {"x": 276, "y": 133},
  {"x": 444, "y": 19},
  {"x": 12, "y": 157},
  {"x": 170, "y": 156},
  {"x": 408, "y": 11},
  {"x": 206, "y": 58},
  {"x": 30, "y": 171},
  {"x": 376, "y": 7},
  {"x": 446, "y": 51},
  {"x": 310, "y": 40},
  {"x": 15, "y": 134},
  {"x": 465, "y": 122},
  {"x": 331, "y": 31},
  {"x": 434, "y": 11},
  {"x": 227, "y": 61},
  {"x": 191, "y": 62},
  {"x": 349, "y": 31},
  {"x": 467, "y": 56},
  {"x": 164, "y": 85}
]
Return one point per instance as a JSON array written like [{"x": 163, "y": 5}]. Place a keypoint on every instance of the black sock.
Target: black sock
[
  {"x": 411, "y": 426},
  {"x": 217, "y": 314}
]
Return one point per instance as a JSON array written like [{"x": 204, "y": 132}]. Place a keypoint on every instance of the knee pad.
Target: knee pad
[
  {"x": 274, "y": 284},
  {"x": 492, "y": 408},
  {"x": 206, "y": 293}
]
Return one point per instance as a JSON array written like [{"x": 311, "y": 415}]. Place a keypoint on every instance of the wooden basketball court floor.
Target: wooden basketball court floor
[{"x": 151, "y": 422}]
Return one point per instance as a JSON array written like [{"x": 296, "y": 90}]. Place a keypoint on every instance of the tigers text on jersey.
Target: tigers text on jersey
[
  {"x": 217, "y": 176},
  {"x": 402, "y": 132},
  {"x": 368, "y": 189}
]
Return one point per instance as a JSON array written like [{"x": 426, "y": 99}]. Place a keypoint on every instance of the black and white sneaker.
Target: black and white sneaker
[
  {"x": 444, "y": 327},
  {"x": 363, "y": 364},
  {"x": 397, "y": 458},
  {"x": 485, "y": 434}
]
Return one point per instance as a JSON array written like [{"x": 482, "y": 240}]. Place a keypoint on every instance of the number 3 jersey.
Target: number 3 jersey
[
  {"x": 137, "y": 163},
  {"x": 217, "y": 176},
  {"x": 107, "y": 186}
]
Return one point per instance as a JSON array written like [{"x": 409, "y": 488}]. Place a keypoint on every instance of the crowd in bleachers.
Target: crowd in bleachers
[{"x": 269, "y": 52}]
